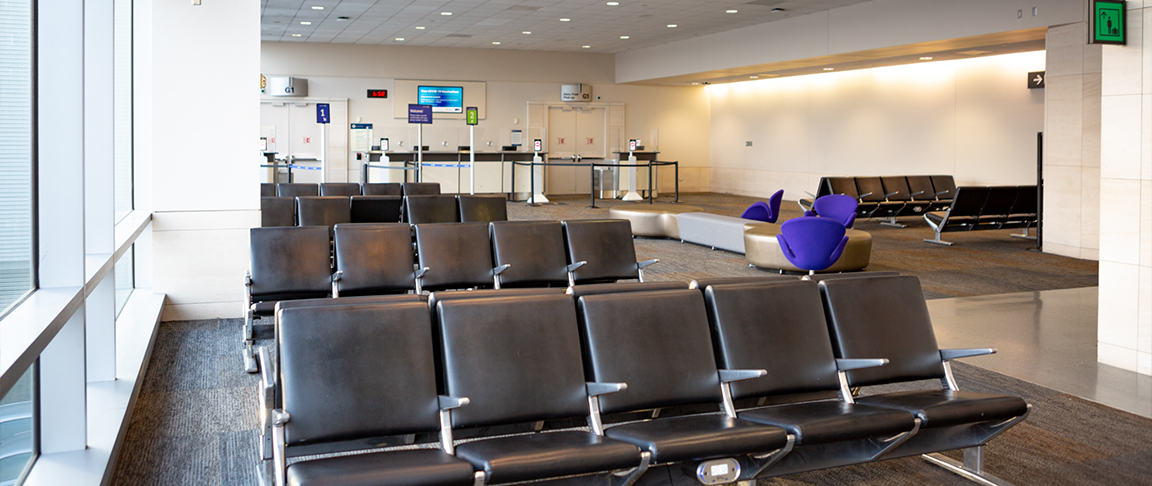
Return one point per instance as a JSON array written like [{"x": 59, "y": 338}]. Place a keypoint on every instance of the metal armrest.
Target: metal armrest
[
  {"x": 950, "y": 354},
  {"x": 337, "y": 276},
  {"x": 886, "y": 196},
  {"x": 595, "y": 389},
  {"x": 420, "y": 279},
  {"x": 496, "y": 274},
  {"x": 856, "y": 364},
  {"x": 728, "y": 376},
  {"x": 862, "y": 196},
  {"x": 267, "y": 377},
  {"x": 941, "y": 193},
  {"x": 645, "y": 263},
  {"x": 571, "y": 272},
  {"x": 279, "y": 458},
  {"x": 449, "y": 403},
  {"x": 248, "y": 278},
  {"x": 576, "y": 266},
  {"x": 335, "y": 287},
  {"x": 446, "y": 404},
  {"x": 810, "y": 194},
  {"x": 917, "y": 193}
]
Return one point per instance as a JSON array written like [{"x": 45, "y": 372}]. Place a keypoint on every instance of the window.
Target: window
[
  {"x": 17, "y": 428},
  {"x": 122, "y": 107},
  {"x": 125, "y": 278},
  {"x": 16, "y": 189}
]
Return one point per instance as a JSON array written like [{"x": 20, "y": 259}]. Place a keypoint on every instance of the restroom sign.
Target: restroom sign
[{"x": 1108, "y": 22}]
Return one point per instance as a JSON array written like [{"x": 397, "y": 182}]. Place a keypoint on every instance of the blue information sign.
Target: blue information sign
[
  {"x": 361, "y": 126},
  {"x": 419, "y": 113},
  {"x": 323, "y": 113}
]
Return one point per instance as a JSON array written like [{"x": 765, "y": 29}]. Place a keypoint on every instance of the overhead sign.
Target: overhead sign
[
  {"x": 361, "y": 126},
  {"x": 1036, "y": 80},
  {"x": 287, "y": 87},
  {"x": 576, "y": 92},
  {"x": 377, "y": 93},
  {"x": 472, "y": 115},
  {"x": 1108, "y": 22},
  {"x": 323, "y": 113},
  {"x": 420, "y": 114}
]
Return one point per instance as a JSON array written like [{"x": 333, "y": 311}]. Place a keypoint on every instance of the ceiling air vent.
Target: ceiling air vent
[{"x": 462, "y": 36}]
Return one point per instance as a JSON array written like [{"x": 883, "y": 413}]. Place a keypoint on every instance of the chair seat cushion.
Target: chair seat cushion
[
  {"x": 547, "y": 455},
  {"x": 700, "y": 437},
  {"x": 833, "y": 421},
  {"x": 943, "y": 408},
  {"x": 425, "y": 467}
]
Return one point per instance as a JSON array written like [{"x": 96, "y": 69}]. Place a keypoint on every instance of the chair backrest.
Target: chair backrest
[
  {"x": 382, "y": 189},
  {"x": 944, "y": 183},
  {"x": 437, "y": 297},
  {"x": 323, "y": 211},
  {"x": 871, "y": 186},
  {"x": 1026, "y": 202},
  {"x": 297, "y": 189},
  {"x": 702, "y": 284},
  {"x": 365, "y": 299},
  {"x": 897, "y": 184},
  {"x": 421, "y": 188},
  {"x": 765, "y": 211},
  {"x": 277, "y": 211},
  {"x": 658, "y": 343},
  {"x": 529, "y": 366},
  {"x": 290, "y": 263},
  {"x": 376, "y": 209},
  {"x": 1000, "y": 200},
  {"x": 812, "y": 243},
  {"x": 882, "y": 317},
  {"x": 535, "y": 251},
  {"x": 843, "y": 185},
  {"x": 483, "y": 208},
  {"x": 338, "y": 370},
  {"x": 969, "y": 200},
  {"x": 606, "y": 244},
  {"x": 776, "y": 326},
  {"x": 430, "y": 209},
  {"x": 623, "y": 288},
  {"x": 375, "y": 259},
  {"x": 922, "y": 184},
  {"x": 840, "y": 207},
  {"x": 339, "y": 189},
  {"x": 457, "y": 255},
  {"x": 267, "y": 190}
]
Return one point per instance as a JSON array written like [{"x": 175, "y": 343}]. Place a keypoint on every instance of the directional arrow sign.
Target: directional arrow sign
[{"x": 1036, "y": 80}]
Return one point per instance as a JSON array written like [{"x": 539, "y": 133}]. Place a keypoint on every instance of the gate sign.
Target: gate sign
[
  {"x": 1108, "y": 22},
  {"x": 472, "y": 115},
  {"x": 420, "y": 114},
  {"x": 323, "y": 113}
]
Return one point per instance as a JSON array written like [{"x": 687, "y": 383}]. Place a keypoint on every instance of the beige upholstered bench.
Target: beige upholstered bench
[
  {"x": 762, "y": 250},
  {"x": 653, "y": 219}
]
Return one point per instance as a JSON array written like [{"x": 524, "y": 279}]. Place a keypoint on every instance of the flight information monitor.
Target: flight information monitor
[{"x": 443, "y": 99}]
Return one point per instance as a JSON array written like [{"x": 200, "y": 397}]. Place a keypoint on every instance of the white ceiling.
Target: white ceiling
[{"x": 479, "y": 23}]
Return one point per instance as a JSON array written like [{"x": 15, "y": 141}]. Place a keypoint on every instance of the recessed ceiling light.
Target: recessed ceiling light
[
  {"x": 623, "y": 37},
  {"x": 731, "y": 11},
  {"x": 445, "y": 13},
  {"x": 419, "y": 27},
  {"x": 295, "y": 35},
  {"x": 317, "y": 7},
  {"x": 526, "y": 32},
  {"x": 777, "y": 10},
  {"x": 305, "y": 23},
  {"x": 399, "y": 39},
  {"x": 671, "y": 26},
  {"x": 585, "y": 47},
  {"x": 343, "y": 18},
  {"x": 495, "y": 43},
  {"x": 829, "y": 69},
  {"x": 695, "y": 84},
  {"x": 926, "y": 58},
  {"x": 753, "y": 77},
  {"x": 613, "y": 4},
  {"x": 565, "y": 20}
]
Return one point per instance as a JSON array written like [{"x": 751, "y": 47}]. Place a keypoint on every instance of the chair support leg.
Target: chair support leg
[
  {"x": 971, "y": 469},
  {"x": 1024, "y": 235},
  {"x": 891, "y": 221},
  {"x": 938, "y": 241}
]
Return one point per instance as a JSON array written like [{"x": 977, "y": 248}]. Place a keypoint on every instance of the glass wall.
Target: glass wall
[
  {"x": 125, "y": 281},
  {"x": 122, "y": 109},
  {"x": 17, "y": 429},
  {"x": 16, "y": 260}
]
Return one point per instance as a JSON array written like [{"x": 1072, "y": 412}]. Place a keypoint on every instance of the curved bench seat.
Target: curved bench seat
[
  {"x": 653, "y": 219},
  {"x": 763, "y": 251}
]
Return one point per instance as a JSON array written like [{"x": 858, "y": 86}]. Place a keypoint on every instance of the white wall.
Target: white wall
[
  {"x": 513, "y": 79},
  {"x": 205, "y": 120},
  {"x": 972, "y": 118}
]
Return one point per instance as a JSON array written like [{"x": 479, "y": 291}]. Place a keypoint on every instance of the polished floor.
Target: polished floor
[{"x": 1046, "y": 337}]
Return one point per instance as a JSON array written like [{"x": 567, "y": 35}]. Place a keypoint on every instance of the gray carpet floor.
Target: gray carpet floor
[{"x": 196, "y": 420}]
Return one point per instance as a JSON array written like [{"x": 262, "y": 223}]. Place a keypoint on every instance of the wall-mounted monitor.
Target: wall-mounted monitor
[{"x": 444, "y": 99}]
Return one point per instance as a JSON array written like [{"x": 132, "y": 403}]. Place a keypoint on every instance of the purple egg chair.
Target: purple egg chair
[
  {"x": 836, "y": 206},
  {"x": 813, "y": 243},
  {"x": 767, "y": 212}
]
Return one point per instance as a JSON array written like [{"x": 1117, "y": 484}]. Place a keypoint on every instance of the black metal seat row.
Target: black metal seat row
[
  {"x": 890, "y": 196},
  {"x": 356, "y": 373},
  {"x": 333, "y": 210},
  {"x": 986, "y": 208},
  {"x": 349, "y": 189}
]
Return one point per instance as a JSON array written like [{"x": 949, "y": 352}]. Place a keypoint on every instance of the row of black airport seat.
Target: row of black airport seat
[
  {"x": 354, "y": 375},
  {"x": 987, "y": 208},
  {"x": 373, "y": 259},
  {"x": 349, "y": 189},
  {"x": 890, "y": 196},
  {"x": 414, "y": 209}
]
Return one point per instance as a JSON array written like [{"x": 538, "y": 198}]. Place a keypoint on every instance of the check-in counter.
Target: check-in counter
[
  {"x": 641, "y": 172},
  {"x": 493, "y": 170}
]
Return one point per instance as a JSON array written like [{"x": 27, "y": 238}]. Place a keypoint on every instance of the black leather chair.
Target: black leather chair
[
  {"x": 287, "y": 263},
  {"x": 455, "y": 256},
  {"x": 779, "y": 326},
  {"x": 929, "y": 193},
  {"x": 578, "y": 291},
  {"x": 847, "y": 187},
  {"x": 659, "y": 343},
  {"x": 1024, "y": 211},
  {"x": 887, "y": 316},
  {"x": 528, "y": 369},
  {"x": 339, "y": 189},
  {"x": 323, "y": 211},
  {"x": 267, "y": 190},
  {"x": 945, "y": 186},
  {"x": 703, "y": 283},
  {"x": 482, "y": 209},
  {"x": 277, "y": 211},
  {"x": 998, "y": 205},
  {"x": 421, "y": 188},
  {"x": 382, "y": 189},
  {"x": 373, "y": 259},
  {"x": 330, "y": 401},
  {"x": 430, "y": 209},
  {"x": 535, "y": 251},
  {"x": 297, "y": 190},
  {"x": 376, "y": 209},
  {"x": 963, "y": 213},
  {"x": 912, "y": 203},
  {"x": 872, "y": 193},
  {"x": 606, "y": 245}
]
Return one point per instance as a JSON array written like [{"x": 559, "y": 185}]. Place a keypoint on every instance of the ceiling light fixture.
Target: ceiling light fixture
[
  {"x": 526, "y": 32},
  {"x": 613, "y": 4},
  {"x": 753, "y": 77},
  {"x": 926, "y": 58},
  {"x": 419, "y": 28},
  {"x": 343, "y": 18},
  {"x": 829, "y": 69},
  {"x": 671, "y": 26},
  {"x": 445, "y": 13},
  {"x": 295, "y": 35},
  {"x": 495, "y": 43},
  {"x": 399, "y": 39},
  {"x": 565, "y": 20},
  {"x": 695, "y": 84},
  {"x": 777, "y": 10},
  {"x": 585, "y": 47},
  {"x": 731, "y": 11},
  {"x": 305, "y": 23},
  {"x": 317, "y": 7},
  {"x": 624, "y": 37}
]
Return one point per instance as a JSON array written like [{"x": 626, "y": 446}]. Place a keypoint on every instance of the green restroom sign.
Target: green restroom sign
[{"x": 1108, "y": 22}]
